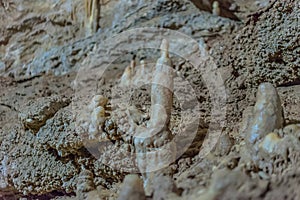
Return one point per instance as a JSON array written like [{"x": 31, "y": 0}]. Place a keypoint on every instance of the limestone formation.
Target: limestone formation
[
  {"x": 221, "y": 181},
  {"x": 216, "y": 8},
  {"x": 52, "y": 150},
  {"x": 223, "y": 145},
  {"x": 92, "y": 14},
  {"x": 97, "y": 100},
  {"x": 153, "y": 144},
  {"x": 270, "y": 143},
  {"x": 127, "y": 77},
  {"x": 293, "y": 129},
  {"x": 267, "y": 113},
  {"x": 92, "y": 118},
  {"x": 132, "y": 188},
  {"x": 143, "y": 74},
  {"x": 27, "y": 166},
  {"x": 136, "y": 75},
  {"x": 34, "y": 114},
  {"x": 162, "y": 89},
  {"x": 60, "y": 134}
]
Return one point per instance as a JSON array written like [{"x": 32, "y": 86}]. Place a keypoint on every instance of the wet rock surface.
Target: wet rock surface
[{"x": 70, "y": 128}]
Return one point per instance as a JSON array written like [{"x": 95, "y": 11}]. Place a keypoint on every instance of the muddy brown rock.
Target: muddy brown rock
[
  {"x": 27, "y": 165},
  {"x": 266, "y": 41},
  {"x": 59, "y": 134},
  {"x": 35, "y": 113}
]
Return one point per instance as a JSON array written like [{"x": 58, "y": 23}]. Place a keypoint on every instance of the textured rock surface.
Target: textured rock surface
[
  {"x": 271, "y": 40},
  {"x": 46, "y": 154},
  {"x": 59, "y": 134},
  {"x": 35, "y": 113},
  {"x": 69, "y": 56},
  {"x": 27, "y": 165}
]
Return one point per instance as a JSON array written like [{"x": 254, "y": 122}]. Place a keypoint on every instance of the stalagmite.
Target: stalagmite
[
  {"x": 162, "y": 89},
  {"x": 216, "y": 8},
  {"x": 267, "y": 113},
  {"x": 126, "y": 79},
  {"x": 143, "y": 75},
  {"x": 154, "y": 145}
]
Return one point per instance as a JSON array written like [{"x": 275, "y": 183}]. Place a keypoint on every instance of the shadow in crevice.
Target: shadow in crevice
[{"x": 50, "y": 195}]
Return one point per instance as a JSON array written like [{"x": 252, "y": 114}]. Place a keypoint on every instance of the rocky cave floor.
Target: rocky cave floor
[{"x": 52, "y": 75}]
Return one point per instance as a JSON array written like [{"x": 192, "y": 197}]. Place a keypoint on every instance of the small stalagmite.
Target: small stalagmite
[
  {"x": 143, "y": 75},
  {"x": 126, "y": 79},
  {"x": 216, "y": 8},
  {"x": 267, "y": 113}
]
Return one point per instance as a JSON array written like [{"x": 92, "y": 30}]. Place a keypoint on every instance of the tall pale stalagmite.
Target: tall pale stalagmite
[
  {"x": 267, "y": 113},
  {"x": 153, "y": 143},
  {"x": 162, "y": 89},
  {"x": 157, "y": 131}
]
